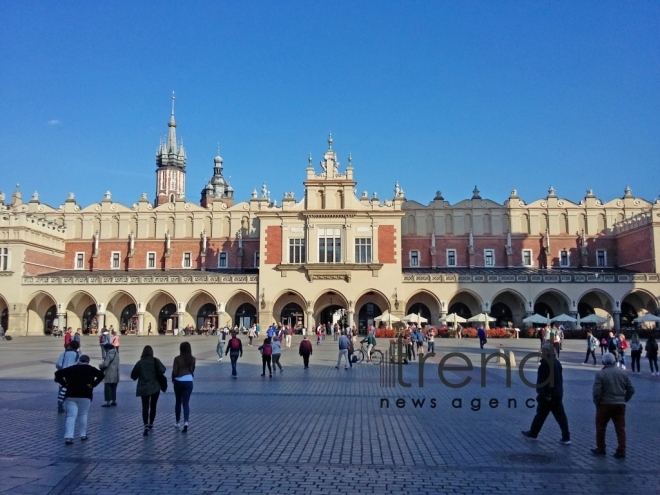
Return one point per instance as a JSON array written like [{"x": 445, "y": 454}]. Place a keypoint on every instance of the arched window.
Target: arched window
[
  {"x": 467, "y": 222},
  {"x": 430, "y": 225},
  {"x": 602, "y": 222},
  {"x": 544, "y": 222},
  {"x": 582, "y": 223},
  {"x": 412, "y": 225},
  {"x": 524, "y": 224},
  {"x": 449, "y": 224},
  {"x": 563, "y": 223},
  {"x": 488, "y": 228},
  {"x": 171, "y": 198}
]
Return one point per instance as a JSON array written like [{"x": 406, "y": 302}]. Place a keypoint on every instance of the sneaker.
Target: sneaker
[
  {"x": 337, "y": 367},
  {"x": 281, "y": 370},
  {"x": 584, "y": 364},
  {"x": 598, "y": 451},
  {"x": 219, "y": 359},
  {"x": 263, "y": 374},
  {"x": 528, "y": 434},
  {"x": 565, "y": 442},
  {"x": 623, "y": 366},
  {"x": 145, "y": 433},
  {"x": 234, "y": 376},
  {"x": 177, "y": 425},
  {"x": 270, "y": 375},
  {"x": 619, "y": 455},
  {"x": 185, "y": 428},
  {"x": 114, "y": 404}
]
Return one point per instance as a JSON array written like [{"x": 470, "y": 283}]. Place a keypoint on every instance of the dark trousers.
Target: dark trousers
[
  {"x": 276, "y": 361},
  {"x": 234, "y": 358},
  {"x": 411, "y": 351},
  {"x": 182, "y": 391},
  {"x": 545, "y": 407},
  {"x": 635, "y": 357},
  {"x": 149, "y": 408},
  {"x": 431, "y": 347},
  {"x": 250, "y": 340},
  {"x": 110, "y": 392},
  {"x": 602, "y": 349},
  {"x": 653, "y": 360},
  {"x": 617, "y": 413},
  {"x": 557, "y": 348},
  {"x": 265, "y": 360},
  {"x": 482, "y": 341},
  {"x": 305, "y": 360},
  {"x": 591, "y": 352}
]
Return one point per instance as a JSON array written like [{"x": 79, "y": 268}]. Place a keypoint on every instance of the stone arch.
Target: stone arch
[
  {"x": 225, "y": 227},
  {"x": 595, "y": 301},
  {"x": 370, "y": 304},
  {"x": 601, "y": 222},
  {"x": 4, "y": 312},
  {"x": 508, "y": 306},
  {"x": 544, "y": 223},
  {"x": 637, "y": 303},
  {"x": 284, "y": 310},
  {"x": 158, "y": 313},
  {"x": 196, "y": 301},
  {"x": 427, "y": 299},
  {"x": 133, "y": 226},
  {"x": 188, "y": 227},
  {"x": 42, "y": 314},
  {"x": 241, "y": 304},
  {"x": 81, "y": 312},
  {"x": 327, "y": 303},
  {"x": 552, "y": 302},
  {"x": 114, "y": 227},
  {"x": 78, "y": 228},
  {"x": 207, "y": 226},
  {"x": 465, "y": 303},
  {"x": 582, "y": 223},
  {"x": 121, "y": 311}
]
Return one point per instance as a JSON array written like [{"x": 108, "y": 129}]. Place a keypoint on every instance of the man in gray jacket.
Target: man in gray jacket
[{"x": 612, "y": 389}]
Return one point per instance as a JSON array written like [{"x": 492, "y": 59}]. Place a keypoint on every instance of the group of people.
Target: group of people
[
  {"x": 77, "y": 379},
  {"x": 617, "y": 345}
]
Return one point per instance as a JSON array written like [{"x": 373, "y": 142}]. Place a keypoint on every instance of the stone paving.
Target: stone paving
[{"x": 317, "y": 431}]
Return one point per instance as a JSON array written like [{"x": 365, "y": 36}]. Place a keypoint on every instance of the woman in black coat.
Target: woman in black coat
[{"x": 146, "y": 371}]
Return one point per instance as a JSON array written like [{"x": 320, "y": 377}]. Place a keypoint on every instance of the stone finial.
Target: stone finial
[
  {"x": 330, "y": 141},
  {"x": 627, "y": 193},
  {"x": 2, "y": 198},
  {"x": 309, "y": 160},
  {"x": 107, "y": 196},
  {"x": 590, "y": 193},
  {"x": 375, "y": 196},
  {"x": 350, "y": 160},
  {"x": 254, "y": 193},
  {"x": 143, "y": 197},
  {"x": 365, "y": 195},
  {"x": 397, "y": 189},
  {"x": 70, "y": 197},
  {"x": 514, "y": 194},
  {"x": 438, "y": 196},
  {"x": 475, "y": 193},
  {"x": 35, "y": 197},
  {"x": 552, "y": 193},
  {"x": 264, "y": 191}
]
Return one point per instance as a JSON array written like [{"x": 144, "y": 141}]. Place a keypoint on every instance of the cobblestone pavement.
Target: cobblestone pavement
[{"x": 317, "y": 431}]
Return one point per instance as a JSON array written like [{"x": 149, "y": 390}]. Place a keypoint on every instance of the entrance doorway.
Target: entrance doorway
[
  {"x": 333, "y": 314},
  {"x": 292, "y": 315},
  {"x": 89, "y": 320},
  {"x": 245, "y": 316},
  {"x": 207, "y": 316},
  {"x": 128, "y": 320},
  {"x": 167, "y": 319},
  {"x": 366, "y": 316}
]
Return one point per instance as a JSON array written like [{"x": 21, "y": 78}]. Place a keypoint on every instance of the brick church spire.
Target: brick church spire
[{"x": 170, "y": 166}]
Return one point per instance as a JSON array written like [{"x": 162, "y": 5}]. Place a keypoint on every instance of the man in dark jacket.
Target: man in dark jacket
[
  {"x": 612, "y": 389},
  {"x": 305, "y": 350},
  {"x": 550, "y": 387},
  {"x": 235, "y": 350},
  {"x": 79, "y": 381}
]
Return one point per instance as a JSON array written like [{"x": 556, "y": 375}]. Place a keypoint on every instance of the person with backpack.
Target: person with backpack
[
  {"x": 183, "y": 371},
  {"x": 235, "y": 350},
  {"x": 603, "y": 343},
  {"x": 277, "y": 353},
  {"x": 147, "y": 371},
  {"x": 652, "y": 355},
  {"x": 623, "y": 346},
  {"x": 68, "y": 358},
  {"x": 305, "y": 350},
  {"x": 110, "y": 368},
  {"x": 104, "y": 338},
  {"x": 636, "y": 349},
  {"x": 266, "y": 355},
  {"x": 613, "y": 347},
  {"x": 114, "y": 338},
  {"x": 592, "y": 342},
  {"x": 79, "y": 381}
]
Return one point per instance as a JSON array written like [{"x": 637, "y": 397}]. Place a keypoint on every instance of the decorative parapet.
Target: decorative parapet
[
  {"x": 638, "y": 220},
  {"x": 541, "y": 279},
  {"x": 143, "y": 279}
]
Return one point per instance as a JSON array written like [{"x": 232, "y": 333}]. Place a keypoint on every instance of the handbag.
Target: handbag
[{"x": 162, "y": 380}]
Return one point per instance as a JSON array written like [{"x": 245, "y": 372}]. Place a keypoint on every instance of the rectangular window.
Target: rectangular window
[
  {"x": 363, "y": 250},
  {"x": 256, "y": 259},
  {"x": 151, "y": 260},
  {"x": 489, "y": 257},
  {"x": 80, "y": 261},
  {"x": 114, "y": 262},
  {"x": 4, "y": 259},
  {"x": 329, "y": 245},
  {"x": 451, "y": 257},
  {"x": 297, "y": 251},
  {"x": 222, "y": 260},
  {"x": 187, "y": 260},
  {"x": 601, "y": 258},
  {"x": 527, "y": 257},
  {"x": 414, "y": 258},
  {"x": 563, "y": 258}
]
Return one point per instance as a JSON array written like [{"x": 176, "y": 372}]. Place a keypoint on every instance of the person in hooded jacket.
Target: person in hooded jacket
[
  {"x": 146, "y": 372},
  {"x": 110, "y": 367}
]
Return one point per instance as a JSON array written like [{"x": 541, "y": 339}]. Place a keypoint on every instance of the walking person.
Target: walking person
[
  {"x": 343, "y": 350},
  {"x": 289, "y": 335},
  {"x": 277, "y": 353},
  {"x": 603, "y": 343},
  {"x": 636, "y": 349},
  {"x": 430, "y": 339},
  {"x": 613, "y": 347},
  {"x": 557, "y": 336},
  {"x": 251, "y": 335},
  {"x": 146, "y": 371},
  {"x": 319, "y": 335},
  {"x": 220, "y": 347},
  {"x": 68, "y": 358},
  {"x": 110, "y": 368},
  {"x": 459, "y": 331},
  {"x": 114, "y": 339},
  {"x": 266, "y": 355},
  {"x": 79, "y": 381},
  {"x": 67, "y": 338},
  {"x": 235, "y": 350},
  {"x": 183, "y": 371},
  {"x": 623, "y": 346},
  {"x": 481, "y": 333},
  {"x": 591, "y": 347},
  {"x": 305, "y": 350},
  {"x": 612, "y": 389},
  {"x": 549, "y": 397},
  {"x": 149, "y": 329},
  {"x": 652, "y": 355},
  {"x": 104, "y": 338}
]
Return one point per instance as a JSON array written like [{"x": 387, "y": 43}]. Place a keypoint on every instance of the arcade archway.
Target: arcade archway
[
  {"x": 637, "y": 303},
  {"x": 551, "y": 303},
  {"x": 42, "y": 314},
  {"x": 288, "y": 309},
  {"x": 596, "y": 302},
  {"x": 368, "y": 306},
  {"x": 241, "y": 308},
  {"x": 161, "y": 314},
  {"x": 426, "y": 304},
  {"x": 121, "y": 313},
  {"x": 465, "y": 304},
  {"x": 201, "y": 310},
  {"x": 330, "y": 307},
  {"x": 245, "y": 316},
  {"x": 81, "y": 313},
  {"x": 508, "y": 308}
]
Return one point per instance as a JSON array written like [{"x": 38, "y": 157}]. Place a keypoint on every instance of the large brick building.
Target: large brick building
[{"x": 173, "y": 262}]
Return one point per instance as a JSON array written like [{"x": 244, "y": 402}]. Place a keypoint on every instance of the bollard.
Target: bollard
[
  {"x": 512, "y": 359},
  {"x": 500, "y": 357}
]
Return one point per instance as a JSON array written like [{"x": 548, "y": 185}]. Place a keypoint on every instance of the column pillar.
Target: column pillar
[
  {"x": 140, "y": 328},
  {"x": 100, "y": 321},
  {"x": 179, "y": 321},
  {"x": 310, "y": 321},
  {"x": 351, "y": 316},
  {"x": 617, "y": 320}
]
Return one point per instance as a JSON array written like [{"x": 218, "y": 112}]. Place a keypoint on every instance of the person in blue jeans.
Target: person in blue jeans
[
  {"x": 482, "y": 336},
  {"x": 183, "y": 371},
  {"x": 235, "y": 350}
]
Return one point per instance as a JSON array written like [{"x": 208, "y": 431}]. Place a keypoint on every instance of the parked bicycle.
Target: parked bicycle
[{"x": 361, "y": 354}]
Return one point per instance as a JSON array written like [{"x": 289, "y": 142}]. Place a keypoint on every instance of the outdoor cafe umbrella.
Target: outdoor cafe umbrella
[
  {"x": 536, "y": 318},
  {"x": 647, "y": 318},
  {"x": 387, "y": 317},
  {"x": 564, "y": 318},
  {"x": 414, "y": 318},
  {"x": 482, "y": 318},
  {"x": 594, "y": 318},
  {"x": 454, "y": 318}
]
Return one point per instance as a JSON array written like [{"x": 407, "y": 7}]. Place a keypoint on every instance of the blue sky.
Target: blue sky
[{"x": 435, "y": 95}]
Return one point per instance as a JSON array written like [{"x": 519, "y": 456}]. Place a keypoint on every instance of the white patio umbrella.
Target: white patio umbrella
[
  {"x": 647, "y": 318},
  {"x": 594, "y": 318},
  {"x": 482, "y": 318},
  {"x": 387, "y": 317},
  {"x": 536, "y": 318},
  {"x": 454, "y": 318},
  {"x": 414, "y": 318},
  {"x": 564, "y": 318}
]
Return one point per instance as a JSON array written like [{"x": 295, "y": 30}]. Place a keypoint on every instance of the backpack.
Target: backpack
[
  {"x": 102, "y": 339},
  {"x": 613, "y": 345},
  {"x": 268, "y": 350},
  {"x": 636, "y": 346},
  {"x": 593, "y": 342},
  {"x": 235, "y": 343}
]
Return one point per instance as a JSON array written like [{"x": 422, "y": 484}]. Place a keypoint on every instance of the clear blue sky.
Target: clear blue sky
[{"x": 436, "y": 95}]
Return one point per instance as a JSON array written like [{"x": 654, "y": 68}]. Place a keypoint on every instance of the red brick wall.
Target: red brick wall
[
  {"x": 36, "y": 263},
  {"x": 386, "y": 244},
  {"x": 635, "y": 250},
  {"x": 273, "y": 243}
]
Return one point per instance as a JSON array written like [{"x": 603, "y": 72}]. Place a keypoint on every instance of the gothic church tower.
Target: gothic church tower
[{"x": 171, "y": 167}]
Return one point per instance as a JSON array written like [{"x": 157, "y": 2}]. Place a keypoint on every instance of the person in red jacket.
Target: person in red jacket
[
  {"x": 67, "y": 338},
  {"x": 305, "y": 350}
]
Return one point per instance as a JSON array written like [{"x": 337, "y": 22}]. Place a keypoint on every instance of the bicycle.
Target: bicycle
[{"x": 361, "y": 353}]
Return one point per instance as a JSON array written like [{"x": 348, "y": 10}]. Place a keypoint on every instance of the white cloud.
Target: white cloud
[{"x": 54, "y": 122}]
